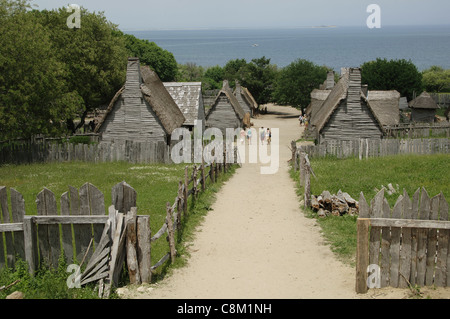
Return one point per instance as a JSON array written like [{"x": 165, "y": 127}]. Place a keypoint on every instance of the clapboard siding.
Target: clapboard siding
[
  {"x": 222, "y": 115},
  {"x": 423, "y": 115},
  {"x": 132, "y": 118},
  {"x": 350, "y": 122}
]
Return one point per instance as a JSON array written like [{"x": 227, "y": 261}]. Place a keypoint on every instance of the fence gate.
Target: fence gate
[{"x": 405, "y": 246}]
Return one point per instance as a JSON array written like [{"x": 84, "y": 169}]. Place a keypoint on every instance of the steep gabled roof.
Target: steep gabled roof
[
  {"x": 187, "y": 95},
  {"x": 423, "y": 101},
  {"x": 147, "y": 85},
  {"x": 337, "y": 94},
  {"x": 233, "y": 101},
  {"x": 384, "y": 106}
]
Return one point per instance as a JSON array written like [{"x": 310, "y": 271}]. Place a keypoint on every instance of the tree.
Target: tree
[
  {"x": 161, "y": 61},
  {"x": 295, "y": 82},
  {"x": 33, "y": 96},
  {"x": 213, "y": 78},
  {"x": 400, "y": 75},
  {"x": 436, "y": 79},
  {"x": 94, "y": 58},
  {"x": 231, "y": 70},
  {"x": 190, "y": 72},
  {"x": 258, "y": 76}
]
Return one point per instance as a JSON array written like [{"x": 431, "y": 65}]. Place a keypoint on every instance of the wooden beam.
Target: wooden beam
[{"x": 410, "y": 223}]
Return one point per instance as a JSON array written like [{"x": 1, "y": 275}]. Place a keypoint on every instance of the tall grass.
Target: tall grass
[
  {"x": 354, "y": 176},
  {"x": 156, "y": 184}
]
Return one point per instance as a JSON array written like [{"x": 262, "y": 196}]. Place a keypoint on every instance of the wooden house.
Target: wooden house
[
  {"x": 188, "y": 97},
  {"x": 423, "y": 108},
  {"x": 318, "y": 96},
  {"x": 348, "y": 114},
  {"x": 245, "y": 99},
  {"x": 225, "y": 112},
  {"x": 142, "y": 110}
]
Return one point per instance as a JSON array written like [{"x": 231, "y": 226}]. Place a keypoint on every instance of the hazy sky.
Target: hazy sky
[{"x": 189, "y": 14}]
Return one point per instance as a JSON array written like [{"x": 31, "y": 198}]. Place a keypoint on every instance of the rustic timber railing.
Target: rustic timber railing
[
  {"x": 82, "y": 231},
  {"x": 365, "y": 148},
  {"x": 405, "y": 246},
  {"x": 418, "y": 130}
]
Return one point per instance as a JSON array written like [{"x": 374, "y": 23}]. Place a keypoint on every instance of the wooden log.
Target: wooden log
[
  {"x": 362, "y": 255},
  {"x": 186, "y": 188},
  {"x": 144, "y": 248},
  {"x": 307, "y": 188},
  {"x": 131, "y": 247},
  {"x": 315, "y": 203},
  {"x": 115, "y": 265},
  {"x": 97, "y": 206}
]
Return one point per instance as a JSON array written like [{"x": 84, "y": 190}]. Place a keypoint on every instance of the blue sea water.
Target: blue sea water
[{"x": 334, "y": 47}]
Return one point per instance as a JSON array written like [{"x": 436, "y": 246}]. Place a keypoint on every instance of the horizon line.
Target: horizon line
[{"x": 276, "y": 27}]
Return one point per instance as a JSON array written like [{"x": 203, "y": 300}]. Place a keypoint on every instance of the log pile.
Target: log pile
[{"x": 338, "y": 204}]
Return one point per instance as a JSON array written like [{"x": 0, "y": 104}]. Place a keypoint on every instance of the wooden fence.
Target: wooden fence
[
  {"x": 405, "y": 246},
  {"x": 365, "y": 148},
  {"x": 129, "y": 151},
  {"x": 418, "y": 130},
  {"x": 82, "y": 231}
]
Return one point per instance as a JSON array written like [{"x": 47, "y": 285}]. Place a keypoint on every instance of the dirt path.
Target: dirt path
[{"x": 256, "y": 242}]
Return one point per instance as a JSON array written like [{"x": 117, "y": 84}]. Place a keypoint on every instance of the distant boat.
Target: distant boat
[{"x": 255, "y": 45}]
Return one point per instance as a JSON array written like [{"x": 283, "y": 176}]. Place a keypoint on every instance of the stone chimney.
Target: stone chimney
[
  {"x": 354, "y": 86},
  {"x": 330, "y": 80}
]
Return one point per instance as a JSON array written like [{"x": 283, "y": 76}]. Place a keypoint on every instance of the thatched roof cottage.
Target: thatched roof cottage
[
  {"x": 142, "y": 110},
  {"x": 188, "y": 97},
  {"x": 245, "y": 99},
  {"x": 318, "y": 96},
  {"x": 423, "y": 108},
  {"x": 225, "y": 112},
  {"x": 348, "y": 114}
]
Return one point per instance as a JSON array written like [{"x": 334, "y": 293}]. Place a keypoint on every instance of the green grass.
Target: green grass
[
  {"x": 156, "y": 184},
  {"x": 354, "y": 176}
]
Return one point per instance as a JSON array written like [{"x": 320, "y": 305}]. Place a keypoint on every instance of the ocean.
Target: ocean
[{"x": 334, "y": 47}]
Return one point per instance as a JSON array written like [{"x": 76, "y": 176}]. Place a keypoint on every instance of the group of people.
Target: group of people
[
  {"x": 264, "y": 135},
  {"x": 303, "y": 120}
]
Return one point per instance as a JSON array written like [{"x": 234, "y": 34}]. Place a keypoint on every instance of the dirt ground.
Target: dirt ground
[{"x": 256, "y": 243}]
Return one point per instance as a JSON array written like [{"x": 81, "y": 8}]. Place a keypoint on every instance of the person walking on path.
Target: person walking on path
[
  {"x": 262, "y": 135},
  {"x": 268, "y": 136},
  {"x": 249, "y": 136}
]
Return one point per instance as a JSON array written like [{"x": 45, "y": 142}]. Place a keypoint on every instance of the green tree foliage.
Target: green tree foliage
[
  {"x": 190, "y": 72},
  {"x": 161, "y": 61},
  {"x": 231, "y": 70},
  {"x": 33, "y": 95},
  {"x": 295, "y": 82},
  {"x": 213, "y": 78},
  {"x": 400, "y": 75},
  {"x": 436, "y": 79},
  {"x": 259, "y": 77},
  {"x": 94, "y": 57}
]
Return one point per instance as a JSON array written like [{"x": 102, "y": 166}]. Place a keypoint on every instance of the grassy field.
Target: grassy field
[
  {"x": 156, "y": 184},
  {"x": 353, "y": 176}
]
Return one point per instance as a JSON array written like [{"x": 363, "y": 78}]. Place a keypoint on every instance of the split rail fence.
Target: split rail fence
[
  {"x": 405, "y": 246},
  {"x": 82, "y": 232}
]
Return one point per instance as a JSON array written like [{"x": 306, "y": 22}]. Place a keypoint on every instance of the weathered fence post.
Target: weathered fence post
[
  {"x": 144, "y": 236},
  {"x": 362, "y": 247},
  {"x": 132, "y": 258},
  {"x": 30, "y": 239},
  {"x": 186, "y": 185},
  {"x": 171, "y": 233}
]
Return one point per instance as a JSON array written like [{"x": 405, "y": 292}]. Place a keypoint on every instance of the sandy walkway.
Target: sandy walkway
[{"x": 256, "y": 242}]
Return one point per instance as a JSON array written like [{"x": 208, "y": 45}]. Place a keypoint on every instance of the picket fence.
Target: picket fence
[
  {"x": 405, "y": 246},
  {"x": 83, "y": 232}
]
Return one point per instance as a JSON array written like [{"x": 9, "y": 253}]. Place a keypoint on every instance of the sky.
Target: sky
[{"x": 133, "y": 15}]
